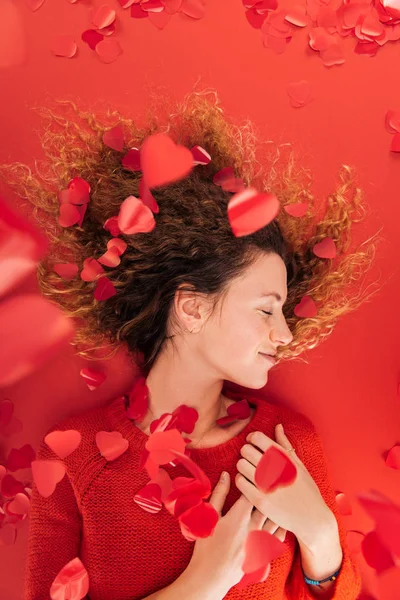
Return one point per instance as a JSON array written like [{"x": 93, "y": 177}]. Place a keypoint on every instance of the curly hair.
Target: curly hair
[{"x": 192, "y": 245}]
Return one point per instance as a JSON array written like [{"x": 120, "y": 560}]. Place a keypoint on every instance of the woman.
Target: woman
[{"x": 199, "y": 309}]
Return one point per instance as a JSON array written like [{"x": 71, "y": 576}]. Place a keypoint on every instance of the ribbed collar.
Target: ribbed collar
[{"x": 262, "y": 419}]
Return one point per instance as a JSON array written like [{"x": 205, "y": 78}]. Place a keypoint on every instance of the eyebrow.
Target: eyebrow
[{"x": 275, "y": 294}]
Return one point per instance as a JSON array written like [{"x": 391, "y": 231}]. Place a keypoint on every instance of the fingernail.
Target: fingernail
[{"x": 224, "y": 476}]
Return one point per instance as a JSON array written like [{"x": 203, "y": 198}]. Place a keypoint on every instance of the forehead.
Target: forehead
[{"x": 267, "y": 275}]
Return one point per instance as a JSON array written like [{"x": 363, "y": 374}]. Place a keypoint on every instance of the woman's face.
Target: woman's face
[{"x": 233, "y": 338}]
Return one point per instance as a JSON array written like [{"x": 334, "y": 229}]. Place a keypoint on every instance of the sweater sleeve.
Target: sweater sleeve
[
  {"x": 54, "y": 534},
  {"x": 348, "y": 583}
]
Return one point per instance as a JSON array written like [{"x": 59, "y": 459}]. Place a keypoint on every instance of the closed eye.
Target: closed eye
[{"x": 266, "y": 313}]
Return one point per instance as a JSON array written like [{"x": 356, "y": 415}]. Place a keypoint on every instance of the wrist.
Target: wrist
[
  {"x": 324, "y": 530},
  {"x": 201, "y": 586}
]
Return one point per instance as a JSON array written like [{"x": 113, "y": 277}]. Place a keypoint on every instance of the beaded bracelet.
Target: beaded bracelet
[{"x": 315, "y": 582}]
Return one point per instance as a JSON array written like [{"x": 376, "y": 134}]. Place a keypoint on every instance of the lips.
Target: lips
[{"x": 270, "y": 358}]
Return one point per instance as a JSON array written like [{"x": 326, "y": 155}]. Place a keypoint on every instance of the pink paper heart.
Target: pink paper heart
[
  {"x": 46, "y": 475},
  {"x": 63, "y": 443},
  {"x": 20, "y": 505},
  {"x": 111, "y": 445},
  {"x": 91, "y": 269}
]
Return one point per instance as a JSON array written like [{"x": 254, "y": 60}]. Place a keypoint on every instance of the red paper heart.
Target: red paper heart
[
  {"x": 306, "y": 308},
  {"x": 111, "y": 445},
  {"x": 46, "y": 475},
  {"x": 11, "y": 486},
  {"x": 343, "y": 504},
  {"x": 200, "y": 156},
  {"x": 274, "y": 470},
  {"x": 163, "y": 161},
  {"x": 45, "y": 329},
  {"x": 138, "y": 400},
  {"x": 249, "y": 211},
  {"x": 69, "y": 215},
  {"x": 325, "y": 249},
  {"x": 92, "y": 269},
  {"x": 149, "y": 498},
  {"x": 111, "y": 225},
  {"x": 103, "y": 16},
  {"x": 93, "y": 377},
  {"x": 131, "y": 160},
  {"x": 64, "y": 45},
  {"x": 104, "y": 289},
  {"x": 20, "y": 458},
  {"x": 66, "y": 270},
  {"x": 63, "y": 443},
  {"x": 114, "y": 138},
  {"x": 108, "y": 50},
  {"x": 298, "y": 209}
]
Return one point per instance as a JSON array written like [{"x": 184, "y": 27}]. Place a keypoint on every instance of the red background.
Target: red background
[{"x": 349, "y": 386}]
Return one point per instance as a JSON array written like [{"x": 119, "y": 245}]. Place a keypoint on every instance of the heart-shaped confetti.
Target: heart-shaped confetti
[
  {"x": 297, "y": 209},
  {"x": 93, "y": 377},
  {"x": 64, "y": 45},
  {"x": 343, "y": 505},
  {"x": 149, "y": 498},
  {"x": 393, "y": 458},
  {"x": 114, "y": 138},
  {"x": 111, "y": 445},
  {"x": 46, "y": 475},
  {"x": 306, "y": 308},
  {"x": 261, "y": 548},
  {"x": 163, "y": 161},
  {"x": 299, "y": 92},
  {"x": 138, "y": 400},
  {"x": 20, "y": 458},
  {"x": 92, "y": 38},
  {"x": 103, "y": 16},
  {"x": 325, "y": 249},
  {"x": 63, "y": 443},
  {"x": 20, "y": 504},
  {"x": 71, "y": 582},
  {"x": 46, "y": 328},
  {"x": 108, "y": 50},
  {"x": 69, "y": 215},
  {"x": 274, "y": 470},
  {"x": 92, "y": 269},
  {"x": 131, "y": 160},
  {"x": 111, "y": 225},
  {"x": 249, "y": 211},
  {"x": 200, "y": 156},
  {"x": 135, "y": 217},
  {"x": 66, "y": 270},
  {"x": 104, "y": 289},
  {"x": 21, "y": 247},
  {"x": 11, "y": 486}
]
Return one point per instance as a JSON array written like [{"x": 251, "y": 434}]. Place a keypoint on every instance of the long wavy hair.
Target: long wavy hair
[{"x": 192, "y": 245}]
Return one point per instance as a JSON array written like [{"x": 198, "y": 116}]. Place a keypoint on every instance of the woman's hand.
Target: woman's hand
[{"x": 299, "y": 507}]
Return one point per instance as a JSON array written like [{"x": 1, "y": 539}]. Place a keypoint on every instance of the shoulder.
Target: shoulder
[{"x": 85, "y": 462}]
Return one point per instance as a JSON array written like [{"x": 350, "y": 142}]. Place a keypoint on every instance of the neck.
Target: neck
[{"x": 171, "y": 384}]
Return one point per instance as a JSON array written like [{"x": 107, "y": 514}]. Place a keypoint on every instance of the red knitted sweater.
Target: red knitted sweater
[{"x": 130, "y": 553}]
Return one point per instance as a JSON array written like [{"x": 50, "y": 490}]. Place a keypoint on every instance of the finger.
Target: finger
[{"x": 246, "y": 469}]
